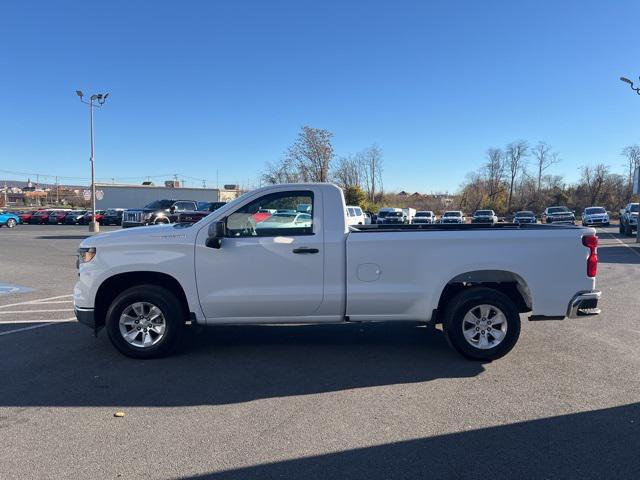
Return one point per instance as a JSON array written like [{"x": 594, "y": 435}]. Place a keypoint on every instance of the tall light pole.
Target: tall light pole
[
  {"x": 637, "y": 90},
  {"x": 100, "y": 98}
]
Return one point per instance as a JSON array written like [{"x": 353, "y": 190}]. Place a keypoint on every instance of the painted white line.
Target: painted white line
[
  {"x": 12, "y": 322},
  {"x": 36, "y": 301},
  {"x": 23, "y": 329},
  {"x": 49, "y": 303},
  {"x": 37, "y": 311},
  {"x": 634, "y": 250}
]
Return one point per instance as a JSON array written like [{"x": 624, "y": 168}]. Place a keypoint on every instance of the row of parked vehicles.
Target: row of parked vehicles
[{"x": 189, "y": 211}]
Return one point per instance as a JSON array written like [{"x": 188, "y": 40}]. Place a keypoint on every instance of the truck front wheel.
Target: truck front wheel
[
  {"x": 481, "y": 323},
  {"x": 145, "y": 321}
]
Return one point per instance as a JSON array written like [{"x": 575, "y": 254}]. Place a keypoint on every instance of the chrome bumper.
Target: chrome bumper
[{"x": 584, "y": 304}]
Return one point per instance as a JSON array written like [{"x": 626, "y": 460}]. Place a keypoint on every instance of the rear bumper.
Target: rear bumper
[
  {"x": 85, "y": 316},
  {"x": 584, "y": 304}
]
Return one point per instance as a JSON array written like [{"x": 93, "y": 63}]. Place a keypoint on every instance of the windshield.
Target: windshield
[
  {"x": 160, "y": 204},
  {"x": 558, "y": 210},
  {"x": 634, "y": 208},
  {"x": 423, "y": 214},
  {"x": 484, "y": 213},
  {"x": 394, "y": 214},
  {"x": 452, "y": 214},
  {"x": 594, "y": 210},
  {"x": 525, "y": 214}
]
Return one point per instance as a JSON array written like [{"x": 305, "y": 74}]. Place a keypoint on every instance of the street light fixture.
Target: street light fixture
[
  {"x": 94, "y": 226},
  {"x": 637, "y": 90}
]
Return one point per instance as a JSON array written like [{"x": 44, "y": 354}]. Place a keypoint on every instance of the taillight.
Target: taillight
[{"x": 591, "y": 242}]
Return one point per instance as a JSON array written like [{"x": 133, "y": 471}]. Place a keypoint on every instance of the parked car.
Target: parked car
[
  {"x": 484, "y": 216},
  {"x": 383, "y": 212},
  {"x": 74, "y": 217},
  {"x": 367, "y": 218},
  {"x": 592, "y": 216},
  {"x": 204, "y": 209},
  {"x": 144, "y": 284},
  {"x": 629, "y": 219},
  {"x": 424, "y": 216},
  {"x": 285, "y": 220},
  {"x": 524, "y": 216},
  {"x": 452, "y": 216},
  {"x": 25, "y": 217},
  {"x": 355, "y": 215},
  {"x": 9, "y": 219},
  {"x": 156, "y": 212},
  {"x": 558, "y": 215},
  {"x": 40, "y": 217},
  {"x": 87, "y": 218},
  {"x": 112, "y": 216},
  {"x": 57, "y": 216},
  {"x": 394, "y": 218}
]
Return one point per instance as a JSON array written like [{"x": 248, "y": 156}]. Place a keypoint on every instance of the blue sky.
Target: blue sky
[{"x": 205, "y": 87}]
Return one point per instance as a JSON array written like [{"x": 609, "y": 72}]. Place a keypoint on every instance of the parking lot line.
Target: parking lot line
[
  {"x": 622, "y": 243},
  {"x": 37, "y": 311},
  {"x": 37, "y": 301},
  {"x": 17, "y": 322},
  {"x": 32, "y": 327}
]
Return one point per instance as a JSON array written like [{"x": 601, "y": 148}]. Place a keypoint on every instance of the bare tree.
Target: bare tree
[
  {"x": 594, "y": 179},
  {"x": 282, "y": 172},
  {"x": 311, "y": 154},
  {"x": 494, "y": 173},
  {"x": 349, "y": 172},
  {"x": 370, "y": 161},
  {"x": 632, "y": 152},
  {"x": 544, "y": 158},
  {"x": 514, "y": 157}
]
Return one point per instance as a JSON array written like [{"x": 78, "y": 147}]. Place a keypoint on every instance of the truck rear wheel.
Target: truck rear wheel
[
  {"x": 481, "y": 323},
  {"x": 145, "y": 321}
]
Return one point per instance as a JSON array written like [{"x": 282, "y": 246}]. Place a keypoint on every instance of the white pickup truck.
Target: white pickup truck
[{"x": 240, "y": 265}]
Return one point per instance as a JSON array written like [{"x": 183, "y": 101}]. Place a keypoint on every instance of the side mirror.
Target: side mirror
[{"x": 217, "y": 231}]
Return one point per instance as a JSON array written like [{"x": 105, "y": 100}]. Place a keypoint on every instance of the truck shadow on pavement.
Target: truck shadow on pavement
[
  {"x": 591, "y": 445},
  {"x": 223, "y": 365}
]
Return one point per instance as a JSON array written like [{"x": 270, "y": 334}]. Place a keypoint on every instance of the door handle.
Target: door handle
[{"x": 305, "y": 250}]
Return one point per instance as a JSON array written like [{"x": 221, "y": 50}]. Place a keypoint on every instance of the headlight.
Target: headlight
[{"x": 85, "y": 255}]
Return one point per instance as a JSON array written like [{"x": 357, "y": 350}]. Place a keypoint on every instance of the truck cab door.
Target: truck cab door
[{"x": 270, "y": 264}]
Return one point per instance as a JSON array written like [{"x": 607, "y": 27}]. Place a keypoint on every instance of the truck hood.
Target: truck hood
[{"x": 152, "y": 233}]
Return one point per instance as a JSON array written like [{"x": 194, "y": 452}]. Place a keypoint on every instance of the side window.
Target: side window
[
  {"x": 351, "y": 212},
  {"x": 274, "y": 215},
  {"x": 358, "y": 211},
  {"x": 185, "y": 206}
]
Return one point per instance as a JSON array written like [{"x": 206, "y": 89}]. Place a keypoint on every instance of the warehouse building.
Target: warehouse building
[{"x": 137, "y": 196}]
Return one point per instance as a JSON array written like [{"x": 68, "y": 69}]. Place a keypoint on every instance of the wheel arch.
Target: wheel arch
[
  {"x": 509, "y": 283},
  {"x": 113, "y": 286}
]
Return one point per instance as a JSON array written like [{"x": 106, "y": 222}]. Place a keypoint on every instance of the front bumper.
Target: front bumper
[
  {"x": 85, "y": 316},
  {"x": 584, "y": 304}
]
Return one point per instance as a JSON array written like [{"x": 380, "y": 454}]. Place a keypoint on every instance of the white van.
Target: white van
[{"x": 355, "y": 215}]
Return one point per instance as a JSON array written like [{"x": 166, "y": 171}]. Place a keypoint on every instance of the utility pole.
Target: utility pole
[
  {"x": 57, "y": 192},
  {"x": 637, "y": 90},
  {"x": 5, "y": 195},
  {"x": 94, "y": 226}
]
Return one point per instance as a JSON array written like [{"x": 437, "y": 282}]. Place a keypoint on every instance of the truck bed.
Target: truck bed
[{"x": 457, "y": 226}]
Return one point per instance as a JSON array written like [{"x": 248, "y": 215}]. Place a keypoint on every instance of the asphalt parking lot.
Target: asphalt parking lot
[{"x": 345, "y": 401}]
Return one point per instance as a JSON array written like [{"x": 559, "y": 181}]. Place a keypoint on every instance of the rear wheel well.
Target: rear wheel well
[
  {"x": 511, "y": 284},
  {"x": 114, "y": 286}
]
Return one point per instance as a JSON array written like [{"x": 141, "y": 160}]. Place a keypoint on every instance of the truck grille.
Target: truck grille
[{"x": 133, "y": 217}]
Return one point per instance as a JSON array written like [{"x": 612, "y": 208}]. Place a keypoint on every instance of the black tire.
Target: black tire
[
  {"x": 628, "y": 231},
  {"x": 170, "y": 308},
  {"x": 464, "y": 302}
]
